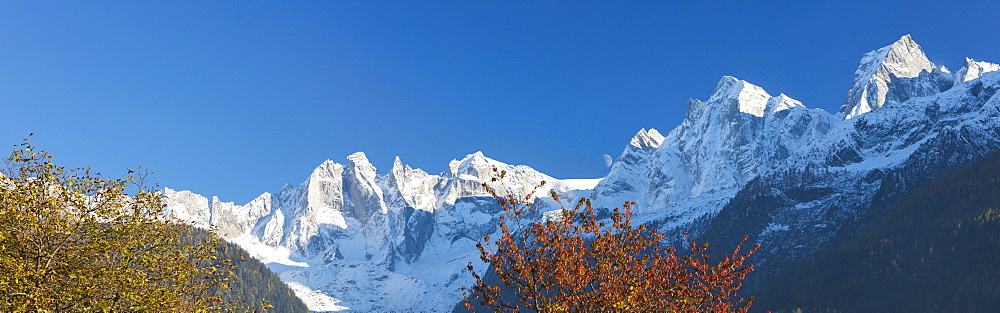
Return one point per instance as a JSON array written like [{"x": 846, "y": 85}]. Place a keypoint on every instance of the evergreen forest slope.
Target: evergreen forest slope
[
  {"x": 935, "y": 250},
  {"x": 255, "y": 282}
]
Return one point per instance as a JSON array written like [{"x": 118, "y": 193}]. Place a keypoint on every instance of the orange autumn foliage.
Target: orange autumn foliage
[{"x": 578, "y": 263}]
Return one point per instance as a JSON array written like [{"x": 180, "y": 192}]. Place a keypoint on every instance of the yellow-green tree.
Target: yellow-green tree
[{"x": 72, "y": 241}]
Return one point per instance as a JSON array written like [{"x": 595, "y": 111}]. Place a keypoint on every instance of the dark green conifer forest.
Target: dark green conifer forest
[
  {"x": 255, "y": 282},
  {"x": 935, "y": 250}
]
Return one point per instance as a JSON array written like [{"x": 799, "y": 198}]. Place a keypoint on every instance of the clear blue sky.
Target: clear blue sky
[{"x": 235, "y": 98}]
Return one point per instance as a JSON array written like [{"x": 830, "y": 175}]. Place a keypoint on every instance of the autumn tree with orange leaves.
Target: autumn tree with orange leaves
[{"x": 579, "y": 263}]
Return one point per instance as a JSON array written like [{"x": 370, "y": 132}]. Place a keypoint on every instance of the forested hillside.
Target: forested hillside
[
  {"x": 936, "y": 250},
  {"x": 255, "y": 282}
]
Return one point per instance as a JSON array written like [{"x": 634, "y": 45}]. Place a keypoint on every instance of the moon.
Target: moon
[{"x": 608, "y": 160}]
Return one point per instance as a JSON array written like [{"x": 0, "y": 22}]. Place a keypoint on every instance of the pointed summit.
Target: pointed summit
[
  {"x": 733, "y": 97},
  {"x": 364, "y": 195},
  {"x": 358, "y": 162},
  {"x": 326, "y": 170},
  {"x": 647, "y": 139},
  {"x": 906, "y": 58},
  {"x": 973, "y": 70},
  {"x": 780, "y": 103},
  {"x": 474, "y": 160},
  {"x": 398, "y": 167},
  {"x": 902, "y": 59},
  {"x": 471, "y": 159},
  {"x": 741, "y": 95},
  {"x": 358, "y": 157}
]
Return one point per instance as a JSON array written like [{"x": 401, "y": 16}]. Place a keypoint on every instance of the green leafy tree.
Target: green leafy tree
[
  {"x": 578, "y": 263},
  {"x": 72, "y": 241}
]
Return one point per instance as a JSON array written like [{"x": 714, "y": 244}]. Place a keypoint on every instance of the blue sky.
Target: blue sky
[{"x": 236, "y": 98}]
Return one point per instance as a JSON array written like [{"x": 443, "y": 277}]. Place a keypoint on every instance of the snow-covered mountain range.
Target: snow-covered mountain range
[
  {"x": 351, "y": 237},
  {"x": 742, "y": 162}
]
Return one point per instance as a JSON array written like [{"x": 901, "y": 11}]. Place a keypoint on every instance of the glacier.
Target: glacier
[{"x": 743, "y": 162}]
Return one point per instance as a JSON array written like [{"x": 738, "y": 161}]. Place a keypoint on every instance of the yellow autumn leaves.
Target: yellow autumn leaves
[{"x": 72, "y": 241}]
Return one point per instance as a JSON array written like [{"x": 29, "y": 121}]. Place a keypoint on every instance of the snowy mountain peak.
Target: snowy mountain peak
[
  {"x": 359, "y": 161},
  {"x": 878, "y": 69},
  {"x": 780, "y": 103},
  {"x": 326, "y": 170},
  {"x": 478, "y": 155},
  {"x": 411, "y": 187},
  {"x": 188, "y": 206},
  {"x": 365, "y": 196},
  {"x": 397, "y": 164},
  {"x": 358, "y": 156},
  {"x": 647, "y": 139},
  {"x": 974, "y": 69},
  {"x": 746, "y": 97},
  {"x": 472, "y": 161},
  {"x": 905, "y": 58}
]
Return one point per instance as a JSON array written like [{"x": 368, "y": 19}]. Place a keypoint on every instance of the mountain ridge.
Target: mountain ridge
[{"x": 741, "y": 162}]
